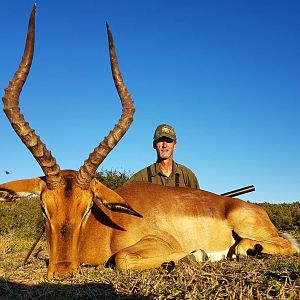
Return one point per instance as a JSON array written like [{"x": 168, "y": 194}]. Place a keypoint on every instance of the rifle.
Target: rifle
[{"x": 244, "y": 190}]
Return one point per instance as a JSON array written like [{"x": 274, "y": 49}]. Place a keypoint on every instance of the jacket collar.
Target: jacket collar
[{"x": 156, "y": 170}]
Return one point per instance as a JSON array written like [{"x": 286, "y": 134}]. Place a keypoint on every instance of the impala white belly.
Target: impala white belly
[{"x": 214, "y": 236}]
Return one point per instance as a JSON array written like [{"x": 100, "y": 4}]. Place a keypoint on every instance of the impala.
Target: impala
[{"x": 140, "y": 225}]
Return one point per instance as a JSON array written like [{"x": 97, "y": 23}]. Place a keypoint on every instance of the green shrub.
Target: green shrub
[
  {"x": 112, "y": 178},
  {"x": 284, "y": 216}
]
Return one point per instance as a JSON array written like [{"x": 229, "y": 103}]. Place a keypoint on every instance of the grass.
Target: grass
[{"x": 262, "y": 277}]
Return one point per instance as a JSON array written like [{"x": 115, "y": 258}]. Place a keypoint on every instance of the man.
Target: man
[{"x": 166, "y": 171}]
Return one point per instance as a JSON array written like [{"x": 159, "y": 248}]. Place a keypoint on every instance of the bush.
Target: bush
[
  {"x": 112, "y": 178},
  {"x": 284, "y": 216}
]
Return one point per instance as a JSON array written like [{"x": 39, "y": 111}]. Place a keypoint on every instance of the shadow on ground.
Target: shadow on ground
[{"x": 9, "y": 290}]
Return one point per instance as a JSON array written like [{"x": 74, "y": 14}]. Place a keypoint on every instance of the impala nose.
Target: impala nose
[{"x": 61, "y": 270}]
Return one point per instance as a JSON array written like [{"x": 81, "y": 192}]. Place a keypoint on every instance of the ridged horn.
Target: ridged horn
[
  {"x": 17, "y": 120},
  {"x": 88, "y": 170}
]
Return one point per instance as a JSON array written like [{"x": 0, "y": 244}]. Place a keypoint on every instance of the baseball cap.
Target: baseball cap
[{"x": 164, "y": 130}]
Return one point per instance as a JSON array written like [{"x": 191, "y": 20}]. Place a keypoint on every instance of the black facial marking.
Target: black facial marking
[
  {"x": 66, "y": 231},
  {"x": 68, "y": 188}
]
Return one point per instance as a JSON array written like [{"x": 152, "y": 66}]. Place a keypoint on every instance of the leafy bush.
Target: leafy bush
[
  {"x": 112, "y": 178},
  {"x": 284, "y": 216}
]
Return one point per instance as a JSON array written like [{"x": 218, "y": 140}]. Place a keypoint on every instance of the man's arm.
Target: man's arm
[{"x": 190, "y": 178}]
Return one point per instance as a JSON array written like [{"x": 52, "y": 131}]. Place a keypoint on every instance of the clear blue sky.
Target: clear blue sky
[{"x": 225, "y": 74}]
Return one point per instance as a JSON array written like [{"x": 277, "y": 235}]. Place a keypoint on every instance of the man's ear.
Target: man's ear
[
  {"x": 175, "y": 144},
  {"x": 110, "y": 199}
]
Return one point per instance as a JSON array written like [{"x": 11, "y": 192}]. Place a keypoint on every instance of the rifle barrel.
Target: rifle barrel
[{"x": 244, "y": 190}]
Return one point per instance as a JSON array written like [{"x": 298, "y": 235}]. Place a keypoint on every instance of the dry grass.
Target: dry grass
[{"x": 256, "y": 278}]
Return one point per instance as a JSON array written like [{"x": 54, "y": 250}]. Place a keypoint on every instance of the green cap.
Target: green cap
[{"x": 164, "y": 130}]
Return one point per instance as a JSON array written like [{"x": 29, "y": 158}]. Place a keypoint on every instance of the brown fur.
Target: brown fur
[{"x": 176, "y": 221}]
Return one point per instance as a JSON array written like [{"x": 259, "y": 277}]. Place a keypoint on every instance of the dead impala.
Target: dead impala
[{"x": 87, "y": 223}]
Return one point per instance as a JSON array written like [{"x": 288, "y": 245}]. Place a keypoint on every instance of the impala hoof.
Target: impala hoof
[
  {"x": 188, "y": 260},
  {"x": 194, "y": 257},
  {"x": 169, "y": 266}
]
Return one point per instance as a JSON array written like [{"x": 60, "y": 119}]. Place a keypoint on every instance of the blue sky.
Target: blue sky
[{"x": 225, "y": 74}]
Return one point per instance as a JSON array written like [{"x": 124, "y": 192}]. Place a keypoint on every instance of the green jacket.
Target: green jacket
[{"x": 185, "y": 177}]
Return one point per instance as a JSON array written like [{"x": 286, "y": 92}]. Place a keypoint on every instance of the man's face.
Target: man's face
[{"x": 164, "y": 147}]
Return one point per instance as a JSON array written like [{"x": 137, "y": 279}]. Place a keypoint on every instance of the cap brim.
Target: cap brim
[{"x": 164, "y": 136}]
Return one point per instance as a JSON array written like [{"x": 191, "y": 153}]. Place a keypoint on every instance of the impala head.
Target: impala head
[
  {"x": 67, "y": 196},
  {"x": 66, "y": 210}
]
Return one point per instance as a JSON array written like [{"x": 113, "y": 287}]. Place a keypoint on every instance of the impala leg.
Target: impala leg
[
  {"x": 257, "y": 234},
  {"x": 277, "y": 245},
  {"x": 149, "y": 252}
]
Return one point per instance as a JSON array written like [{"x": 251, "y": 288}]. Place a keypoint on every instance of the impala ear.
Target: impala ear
[
  {"x": 13, "y": 190},
  {"x": 110, "y": 199}
]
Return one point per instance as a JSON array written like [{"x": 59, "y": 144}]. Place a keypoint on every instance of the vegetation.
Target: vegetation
[
  {"x": 284, "y": 216},
  {"x": 262, "y": 277},
  {"x": 112, "y": 178}
]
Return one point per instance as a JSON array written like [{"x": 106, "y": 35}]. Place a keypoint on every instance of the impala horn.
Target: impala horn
[
  {"x": 11, "y": 108},
  {"x": 88, "y": 170}
]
